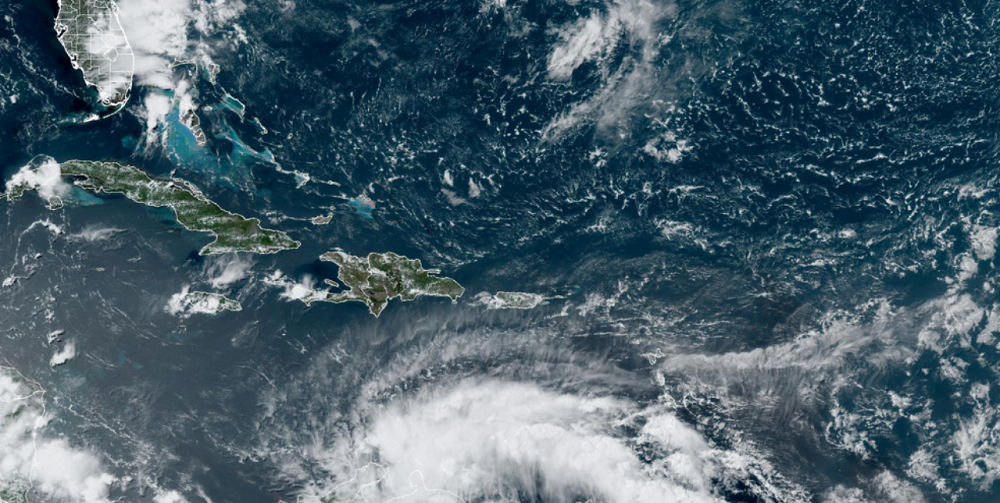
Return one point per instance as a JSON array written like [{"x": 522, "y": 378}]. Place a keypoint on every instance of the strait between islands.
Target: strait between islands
[
  {"x": 93, "y": 38},
  {"x": 374, "y": 279}
]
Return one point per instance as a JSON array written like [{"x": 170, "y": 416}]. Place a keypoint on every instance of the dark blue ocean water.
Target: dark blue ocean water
[{"x": 782, "y": 198}]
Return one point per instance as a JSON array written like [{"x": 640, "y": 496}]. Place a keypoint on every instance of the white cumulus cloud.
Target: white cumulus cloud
[
  {"x": 44, "y": 175},
  {"x": 228, "y": 269},
  {"x": 482, "y": 440},
  {"x": 157, "y": 30},
  {"x": 597, "y": 38},
  {"x": 187, "y": 303},
  {"x": 170, "y": 497},
  {"x": 50, "y": 467},
  {"x": 303, "y": 290},
  {"x": 162, "y": 32},
  {"x": 67, "y": 353}
]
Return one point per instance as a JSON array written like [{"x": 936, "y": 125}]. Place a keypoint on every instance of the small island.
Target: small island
[
  {"x": 510, "y": 300},
  {"x": 322, "y": 219},
  {"x": 380, "y": 277},
  {"x": 233, "y": 232},
  {"x": 186, "y": 303}
]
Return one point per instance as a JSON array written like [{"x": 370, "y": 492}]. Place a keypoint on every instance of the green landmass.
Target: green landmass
[
  {"x": 93, "y": 38},
  {"x": 380, "y": 277},
  {"x": 518, "y": 300},
  {"x": 187, "y": 303},
  {"x": 193, "y": 123},
  {"x": 511, "y": 300},
  {"x": 322, "y": 219},
  {"x": 14, "y": 493},
  {"x": 20, "y": 406},
  {"x": 215, "y": 301},
  {"x": 233, "y": 232}
]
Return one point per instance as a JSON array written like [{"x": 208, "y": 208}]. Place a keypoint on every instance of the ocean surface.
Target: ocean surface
[{"x": 766, "y": 233}]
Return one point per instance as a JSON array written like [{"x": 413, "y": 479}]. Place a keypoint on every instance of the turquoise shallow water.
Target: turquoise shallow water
[{"x": 363, "y": 208}]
